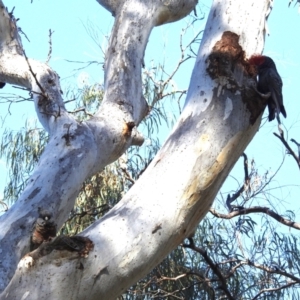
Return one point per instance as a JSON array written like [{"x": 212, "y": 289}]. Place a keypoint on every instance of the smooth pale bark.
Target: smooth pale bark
[
  {"x": 76, "y": 150},
  {"x": 177, "y": 189}
]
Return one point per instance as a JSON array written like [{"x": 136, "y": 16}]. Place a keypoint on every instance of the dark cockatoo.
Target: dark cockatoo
[{"x": 269, "y": 81}]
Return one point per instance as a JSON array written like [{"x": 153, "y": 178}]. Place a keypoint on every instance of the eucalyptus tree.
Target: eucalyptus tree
[{"x": 221, "y": 115}]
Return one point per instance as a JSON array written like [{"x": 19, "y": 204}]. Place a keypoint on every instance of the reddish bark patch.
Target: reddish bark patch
[
  {"x": 127, "y": 129},
  {"x": 226, "y": 53},
  {"x": 227, "y": 61}
]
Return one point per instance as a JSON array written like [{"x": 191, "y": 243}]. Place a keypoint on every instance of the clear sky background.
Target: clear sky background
[{"x": 69, "y": 20}]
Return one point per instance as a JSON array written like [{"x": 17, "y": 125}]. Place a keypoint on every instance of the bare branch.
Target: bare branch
[
  {"x": 50, "y": 46},
  {"x": 34, "y": 75},
  {"x": 4, "y": 204},
  {"x": 298, "y": 146},
  {"x": 86, "y": 64},
  {"x": 274, "y": 271},
  {"x": 290, "y": 2},
  {"x": 256, "y": 209},
  {"x": 213, "y": 266},
  {"x": 183, "y": 58},
  {"x": 232, "y": 198},
  {"x": 79, "y": 110},
  {"x": 275, "y": 289},
  {"x": 287, "y": 146},
  {"x": 127, "y": 175}
]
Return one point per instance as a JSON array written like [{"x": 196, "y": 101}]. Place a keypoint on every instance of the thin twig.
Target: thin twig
[
  {"x": 232, "y": 198},
  {"x": 87, "y": 64},
  {"x": 71, "y": 100},
  {"x": 287, "y": 146},
  {"x": 183, "y": 58},
  {"x": 298, "y": 146},
  {"x": 21, "y": 31},
  {"x": 89, "y": 212},
  {"x": 127, "y": 175},
  {"x": 34, "y": 75},
  {"x": 4, "y": 204},
  {"x": 79, "y": 110},
  {"x": 50, "y": 46}
]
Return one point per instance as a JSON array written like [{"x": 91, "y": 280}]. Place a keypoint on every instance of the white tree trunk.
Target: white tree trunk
[{"x": 220, "y": 118}]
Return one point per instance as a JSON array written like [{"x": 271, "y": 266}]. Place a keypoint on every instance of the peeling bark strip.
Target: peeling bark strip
[{"x": 227, "y": 64}]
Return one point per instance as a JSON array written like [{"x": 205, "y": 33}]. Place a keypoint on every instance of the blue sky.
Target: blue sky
[
  {"x": 70, "y": 41},
  {"x": 68, "y": 19}
]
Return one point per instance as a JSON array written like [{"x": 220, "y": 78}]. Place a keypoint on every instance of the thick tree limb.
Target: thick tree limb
[
  {"x": 163, "y": 11},
  {"x": 87, "y": 147}
]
